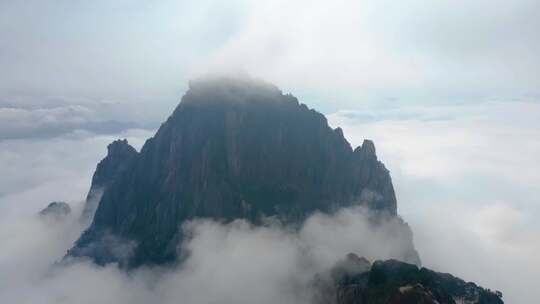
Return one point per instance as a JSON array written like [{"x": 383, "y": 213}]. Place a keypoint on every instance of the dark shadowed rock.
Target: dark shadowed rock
[
  {"x": 119, "y": 157},
  {"x": 366, "y": 151},
  {"x": 233, "y": 148},
  {"x": 395, "y": 282},
  {"x": 56, "y": 210},
  {"x": 351, "y": 266}
]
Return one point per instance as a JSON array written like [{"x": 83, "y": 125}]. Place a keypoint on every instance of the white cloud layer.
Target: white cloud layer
[
  {"x": 467, "y": 179},
  {"x": 469, "y": 196},
  {"x": 226, "y": 263}
]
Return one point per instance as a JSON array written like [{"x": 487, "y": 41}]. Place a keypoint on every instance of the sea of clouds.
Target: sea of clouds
[{"x": 465, "y": 177}]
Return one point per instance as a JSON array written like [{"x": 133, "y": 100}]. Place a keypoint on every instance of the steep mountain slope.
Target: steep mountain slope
[
  {"x": 231, "y": 149},
  {"x": 119, "y": 157}
]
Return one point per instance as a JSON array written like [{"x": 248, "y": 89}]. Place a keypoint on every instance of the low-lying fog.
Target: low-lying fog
[{"x": 468, "y": 197}]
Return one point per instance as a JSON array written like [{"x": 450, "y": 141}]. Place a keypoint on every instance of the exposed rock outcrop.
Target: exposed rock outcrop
[
  {"x": 56, "y": 210},
  {"x": 119, "y": 157},
  {"x": 355, "y": 281},
  {"x": 233, "y": 148}
]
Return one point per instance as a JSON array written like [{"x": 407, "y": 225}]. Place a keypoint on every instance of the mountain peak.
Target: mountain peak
[
  {"x": 233, "y": 148},
  {"x": 120, "y": 147},
  {"x": 234, "y": 91},
  {"x": 367, "y": 150}
]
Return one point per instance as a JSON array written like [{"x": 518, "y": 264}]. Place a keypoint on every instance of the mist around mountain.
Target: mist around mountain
[
  {"x": 238, "y": 157},
  {"x": 234, "y": 148}
]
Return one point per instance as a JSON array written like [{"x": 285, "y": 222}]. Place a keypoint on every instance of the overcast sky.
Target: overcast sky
[
  {"x": 448, "y": 90},
  {"x": 334, "y": 52}
]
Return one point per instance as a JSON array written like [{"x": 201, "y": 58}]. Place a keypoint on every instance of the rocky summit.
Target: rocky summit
[
  {"x": 119, "y": 157},
  {"x": 56, "y": 210},
  {"x": 232, "y": 149}
]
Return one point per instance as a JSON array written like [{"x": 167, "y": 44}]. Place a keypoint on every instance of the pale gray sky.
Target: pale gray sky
[
  {"x": 339, "y": 53},
  {"x": 449, "y": 91}
]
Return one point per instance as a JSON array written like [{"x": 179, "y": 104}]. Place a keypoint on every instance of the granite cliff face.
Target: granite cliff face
[
  {"x": 355, "y": 281},
  {"x": 231, "y": 149},
  {"x": 119, "y": 157}
]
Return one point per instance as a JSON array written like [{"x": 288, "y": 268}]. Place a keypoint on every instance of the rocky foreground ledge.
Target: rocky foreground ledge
[{"x": 355, "y": 280}]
